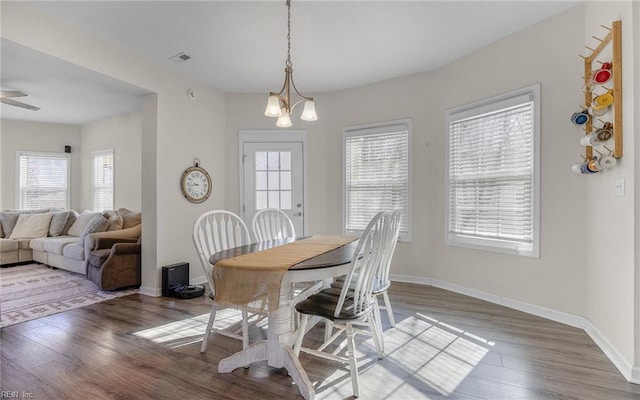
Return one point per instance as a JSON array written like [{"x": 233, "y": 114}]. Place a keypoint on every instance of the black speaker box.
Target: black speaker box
[{"x": 173, "y": 276}]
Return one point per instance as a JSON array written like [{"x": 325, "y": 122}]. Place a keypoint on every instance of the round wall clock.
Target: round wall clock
[{"x": 196, "y": 183}]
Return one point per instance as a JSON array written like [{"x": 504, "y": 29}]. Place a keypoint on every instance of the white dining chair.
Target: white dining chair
[
  {"x": 353, "y": 304},
  {"x": 213, "y": 232},
  {"x": 271, "y": 223},
  {"x": 382, "y": 281}
]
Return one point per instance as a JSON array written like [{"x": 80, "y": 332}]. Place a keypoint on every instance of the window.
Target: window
[
  {"x": 273, "y": 180},
  {"x": 43, "y": 180},
  {"x": 102, "y": 180},
  {"x": 493, "y": 173},
  {"x": 377, "y": 175}
]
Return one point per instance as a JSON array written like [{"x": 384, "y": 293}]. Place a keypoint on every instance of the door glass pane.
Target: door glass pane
[
  {"x": 261, "y": 180},
  {"x": 285, "y": 200},
  {"x": 274, "y": 160},
  {"x": 285, "y": 180},
  {"x": 261, "y": 200},
  {"x": 274, "y": 199},
  {"x": 261, "y": 160},
  {"x": 274, "y": 180},
  {"x": 285, "y": 161}
]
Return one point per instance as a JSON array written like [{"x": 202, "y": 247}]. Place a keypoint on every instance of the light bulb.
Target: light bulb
[
  {"x": 284, "y": 121},
  {"x": 273, "y": 107},
  {"x": 309, "y": 111}
]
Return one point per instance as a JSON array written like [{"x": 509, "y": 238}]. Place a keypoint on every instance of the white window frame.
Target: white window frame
[
  {"x": 100, "y": 153},
  {"x": 375, "y": 129},
  {"x": 20, "y": 154},
  {"x": 519, "y": 96}
]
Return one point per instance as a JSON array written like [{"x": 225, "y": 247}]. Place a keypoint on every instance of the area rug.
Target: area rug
[{"x": 33, "y": 291}]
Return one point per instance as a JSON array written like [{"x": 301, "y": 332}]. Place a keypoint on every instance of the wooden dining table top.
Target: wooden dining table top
[{"x": 339, "y": 256}]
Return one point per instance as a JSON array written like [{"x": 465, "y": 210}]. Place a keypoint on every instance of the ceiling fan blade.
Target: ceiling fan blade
[
  {"x": 11, "y": 93},
  {"x": 19, "y": 104}
]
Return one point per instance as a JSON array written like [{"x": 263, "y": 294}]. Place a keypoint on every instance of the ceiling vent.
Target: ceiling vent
[{"x": 180, "y": 58}]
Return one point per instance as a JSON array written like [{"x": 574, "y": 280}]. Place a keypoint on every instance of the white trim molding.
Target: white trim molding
[{"x": 630, "y": 372}]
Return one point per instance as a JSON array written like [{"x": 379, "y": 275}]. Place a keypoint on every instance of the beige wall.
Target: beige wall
[
  {"x": 610, "y": 245},
  {"x": 36, "y": 136},
  {"x": 175, "y": 129},
  {"x": 123, "y": 133},
  {"x": 578, "y": 273},
  {"x": 557, "y": 279}
]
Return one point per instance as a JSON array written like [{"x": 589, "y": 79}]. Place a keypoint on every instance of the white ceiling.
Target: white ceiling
[
  {"x": 65, "y": 93},
  {"x": 240, "y": 46}
]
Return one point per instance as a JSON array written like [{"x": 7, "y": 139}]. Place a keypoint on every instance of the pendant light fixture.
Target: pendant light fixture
[{"x": 279, "y": 104}]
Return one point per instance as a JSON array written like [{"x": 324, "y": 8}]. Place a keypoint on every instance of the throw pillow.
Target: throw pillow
[
  {"x": 31, "y": 226},
  {"x": 8, "y": 221},
  {"x": 71, "y": 219},
  {"x": 81, "y": 222},
  {"x": 131, "y": 219},
  {"x": 58, "y": 222},
  {"x": 97, "y": 224},
  {"x": 114, "y": 221}
]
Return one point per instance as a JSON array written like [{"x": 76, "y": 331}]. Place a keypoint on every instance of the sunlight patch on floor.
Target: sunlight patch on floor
[
  {"x": 434, "y": 353},
  {"x": 191, "y": 330}
]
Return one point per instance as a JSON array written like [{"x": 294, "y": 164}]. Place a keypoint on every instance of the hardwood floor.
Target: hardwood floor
[{"x": 444, "y": 346}]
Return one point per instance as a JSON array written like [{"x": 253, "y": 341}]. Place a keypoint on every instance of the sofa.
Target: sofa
[
  {"x": 62, "y": 238},
  {"x": 115, "y": 263}
]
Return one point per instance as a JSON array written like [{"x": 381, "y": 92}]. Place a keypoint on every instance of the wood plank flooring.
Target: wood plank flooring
[{"x": 444, "y": 346}]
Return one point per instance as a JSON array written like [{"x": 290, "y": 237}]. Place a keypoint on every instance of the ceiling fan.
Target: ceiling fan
[{"x": 6, "y": 98}]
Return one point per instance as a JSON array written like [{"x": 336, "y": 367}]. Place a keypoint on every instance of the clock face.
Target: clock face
[{"x": 196, "y": 184}]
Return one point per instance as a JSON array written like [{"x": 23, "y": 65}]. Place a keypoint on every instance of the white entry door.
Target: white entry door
[{"x": 273, "y": 175}]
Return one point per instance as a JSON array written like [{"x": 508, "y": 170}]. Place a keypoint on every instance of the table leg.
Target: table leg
[
  {"x": 276, "y": 350},
  {"x": 255, "y": 352}
]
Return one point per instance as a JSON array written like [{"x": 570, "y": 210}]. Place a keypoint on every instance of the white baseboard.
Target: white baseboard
[
  {"x": 148, "y": 291},
  {"x": 157, "y": 292},
  {"x": 630, "y": 372}
]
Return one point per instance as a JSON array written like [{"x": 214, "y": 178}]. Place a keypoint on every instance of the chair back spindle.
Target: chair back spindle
[{"x": 271, "y": 224}]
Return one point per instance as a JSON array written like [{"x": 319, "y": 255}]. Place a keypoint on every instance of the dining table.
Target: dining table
[{"x": 319, "y": 268}]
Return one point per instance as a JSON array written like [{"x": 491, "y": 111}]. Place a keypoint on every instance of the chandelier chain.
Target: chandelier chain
[{"x": 288, "y": 33}]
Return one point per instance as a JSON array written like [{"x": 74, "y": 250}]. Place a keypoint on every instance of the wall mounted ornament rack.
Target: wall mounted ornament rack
[{"x": 602, "y": 104}]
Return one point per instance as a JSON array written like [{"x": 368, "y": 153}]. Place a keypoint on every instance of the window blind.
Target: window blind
[
  {"x": 376, "y": 175},
  {"x": 43, "y": 180},
  {"x": 103, "y": 168},
  {"x": 492, "y": 175}
]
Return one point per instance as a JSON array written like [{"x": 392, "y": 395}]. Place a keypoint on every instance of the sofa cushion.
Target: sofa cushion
[
  {"x": 31, "y": 226},
  {"x": 54, "y": 245},
  {"x": 8, "y": 245},
  {"x": 8, "y": 220},
  {"x": 98, "y": 257},
  {"x": 23, "y": 244},
  {"x": 74, "y": 250},
  {"x": 97, "y": 224},
  {"x": 81, "y": 222},
  {"x": 37, "y": 243},
  {"x": 58, "y": 222}
]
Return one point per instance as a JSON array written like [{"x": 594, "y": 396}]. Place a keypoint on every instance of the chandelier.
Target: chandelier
[{"x": 279, "y": 104}]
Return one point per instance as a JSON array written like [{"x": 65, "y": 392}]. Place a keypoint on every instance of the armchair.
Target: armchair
[{"x": 114, "y": 263}]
